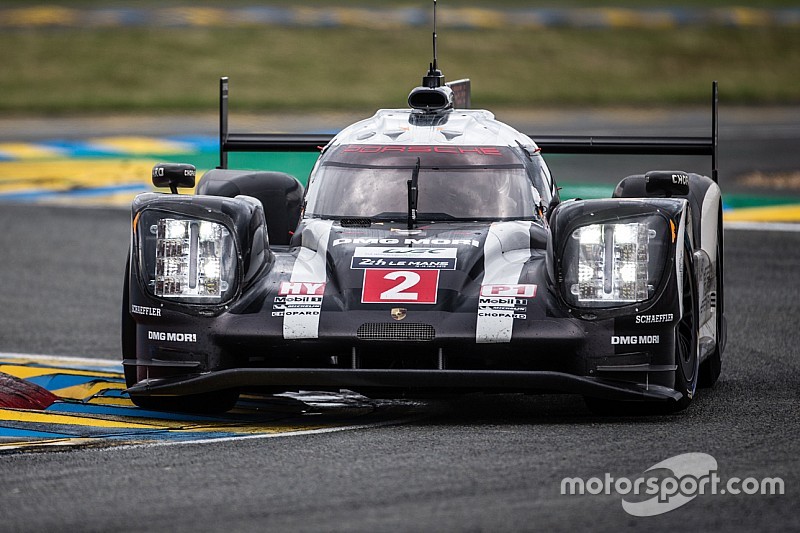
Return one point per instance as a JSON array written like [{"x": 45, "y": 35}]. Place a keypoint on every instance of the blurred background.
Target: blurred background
[
  {"x": 112, "y": 84},
  {"x": 101, "y": 56}
]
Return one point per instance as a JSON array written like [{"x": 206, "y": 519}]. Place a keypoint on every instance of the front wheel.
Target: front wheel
[
  {"x": 208, "y": 402},
  {"x": 686, "y": 340},
  {"x": 710, "y": 368},
  {"x": 213, "y": 402}
]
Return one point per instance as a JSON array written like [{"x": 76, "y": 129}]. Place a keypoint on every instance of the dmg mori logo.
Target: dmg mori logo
[
  {"x": 635, "y": 339},
  {"x": 171, "y": 336}
]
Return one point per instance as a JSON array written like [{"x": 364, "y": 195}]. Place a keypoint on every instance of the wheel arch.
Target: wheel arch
[{"x": 704, "y": 198}]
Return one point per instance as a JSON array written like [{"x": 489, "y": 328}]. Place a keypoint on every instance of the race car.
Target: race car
[{"x": 429, "y": 253}]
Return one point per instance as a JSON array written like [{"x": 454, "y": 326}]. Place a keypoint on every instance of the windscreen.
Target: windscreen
[{"x": 455, "y": 183}]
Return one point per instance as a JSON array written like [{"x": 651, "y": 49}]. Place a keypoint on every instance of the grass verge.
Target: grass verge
[{"x": 136, "y": 69}]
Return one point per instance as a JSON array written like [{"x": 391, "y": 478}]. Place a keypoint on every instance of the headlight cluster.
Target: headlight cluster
[
  {"x": 614, "y": 263},
  {"x": 185, "y": 259}
]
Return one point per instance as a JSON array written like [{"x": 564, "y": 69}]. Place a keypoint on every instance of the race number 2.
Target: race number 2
[{"x": 400, "y": 286}]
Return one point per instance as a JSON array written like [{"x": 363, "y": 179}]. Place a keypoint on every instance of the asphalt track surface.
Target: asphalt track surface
[{"x": 487, "y": 463}]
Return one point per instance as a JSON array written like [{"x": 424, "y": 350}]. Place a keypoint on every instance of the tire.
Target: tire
[
  {"x": 128, "y": 329},
  {"x": 711, "y": 368},
  {"x": 686, "y": 360},
  {"x": 686, "y": 340},
  {"x": 209, "y": 402}
]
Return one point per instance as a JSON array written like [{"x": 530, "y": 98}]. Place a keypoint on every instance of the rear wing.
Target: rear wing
[{"x": 554, "y": 144}]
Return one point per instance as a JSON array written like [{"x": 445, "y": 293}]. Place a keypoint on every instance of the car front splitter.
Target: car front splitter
[{"x": 417, "y": 381}]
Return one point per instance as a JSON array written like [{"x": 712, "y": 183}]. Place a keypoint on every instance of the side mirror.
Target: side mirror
[
  {"x": 667, "y": 181},
  {"x": 174, "y": 175}
]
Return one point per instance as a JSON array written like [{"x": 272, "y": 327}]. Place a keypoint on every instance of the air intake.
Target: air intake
[
  {"x": 395, "y": 331},
  {"x": 431, "y": 98}
]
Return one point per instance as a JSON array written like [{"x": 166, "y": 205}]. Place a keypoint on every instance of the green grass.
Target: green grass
[{"x": 137, "y": 69}]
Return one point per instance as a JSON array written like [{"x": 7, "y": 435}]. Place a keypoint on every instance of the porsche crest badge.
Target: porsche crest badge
[{"x": 399, "y": 313}]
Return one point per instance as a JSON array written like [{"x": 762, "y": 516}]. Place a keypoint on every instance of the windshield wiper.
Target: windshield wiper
[{"x": 413, "y": 195}]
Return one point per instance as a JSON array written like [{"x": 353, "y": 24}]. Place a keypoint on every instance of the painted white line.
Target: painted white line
[
  {"x": 762, "y": 226},
  {"x": 297, "y": 433},
  {"x": 62, "y": 358}
]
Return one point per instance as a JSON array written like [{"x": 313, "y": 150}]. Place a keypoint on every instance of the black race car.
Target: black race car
[{"x": 429, "y": 253}]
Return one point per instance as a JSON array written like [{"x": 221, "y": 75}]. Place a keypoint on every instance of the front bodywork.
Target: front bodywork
[{"x": 442, "y": 307}]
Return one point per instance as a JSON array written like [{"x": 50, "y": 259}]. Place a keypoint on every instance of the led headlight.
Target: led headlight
[
  {"x": 614, "y": 263},
  {"x": 187, "y": 260}
]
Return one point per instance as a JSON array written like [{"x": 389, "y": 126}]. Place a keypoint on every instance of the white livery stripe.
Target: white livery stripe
[
  {"x": 709, "y": 221},
  {"x": 506, "y": 250},
  {"x": 679, "y": 250},
  {"x": 309, "y": 267}
]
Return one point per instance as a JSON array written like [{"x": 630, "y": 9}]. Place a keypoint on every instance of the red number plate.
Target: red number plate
[{"x": 400, "y": 286}]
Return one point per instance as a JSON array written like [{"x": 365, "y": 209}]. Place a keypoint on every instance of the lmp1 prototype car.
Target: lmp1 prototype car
[{"x": 429, "y": 253}]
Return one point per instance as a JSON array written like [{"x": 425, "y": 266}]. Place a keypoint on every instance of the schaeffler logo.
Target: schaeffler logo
[{"x": 670, "y": 484}]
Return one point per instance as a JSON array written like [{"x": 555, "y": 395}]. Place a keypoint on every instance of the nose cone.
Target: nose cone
[{"x": 435, "y": 268}]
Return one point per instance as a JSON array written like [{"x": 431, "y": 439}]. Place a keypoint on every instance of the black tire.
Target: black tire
[
  {"x": 686, "y": 340},
  {"x": 686, "y": 360},
  {"x": 711, "y": 368},
  {"x": 128, "y": 330}
]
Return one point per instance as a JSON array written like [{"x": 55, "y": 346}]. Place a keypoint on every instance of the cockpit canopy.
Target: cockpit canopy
[{"x": 455, "y": 183}]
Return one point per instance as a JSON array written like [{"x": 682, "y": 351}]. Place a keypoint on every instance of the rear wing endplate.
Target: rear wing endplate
[{"x": 554, "y": 144}]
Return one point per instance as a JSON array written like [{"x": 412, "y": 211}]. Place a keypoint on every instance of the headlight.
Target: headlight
[
  {"x": 614, "y": 263},
  {"x": 186, "y": 259}
]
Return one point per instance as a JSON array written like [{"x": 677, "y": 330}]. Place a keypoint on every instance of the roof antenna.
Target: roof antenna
[
  {"x": 434, "y": 96},
  {"x": 434, "y": 78}
]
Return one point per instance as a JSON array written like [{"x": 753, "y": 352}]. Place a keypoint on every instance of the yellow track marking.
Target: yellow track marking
[
  {"x": 776, "y": 213},
  {"x": 71, "y": 173},
  {"x": 28, "y": 151},
  {"x": 59, "y": 361},
  {"x": 47, "y": 443},
  {"x": 20, "y": 415},
  {"x": 24, "y": 372},
  {"x": 116, "y": 402},
  {"x": 199, "y": 16},
  {"x": 128, "y": 425},
  {"x": 41, "y": 15},
  {"x": 88, "y": 390},
  {"x": 140, "y": 145}
]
